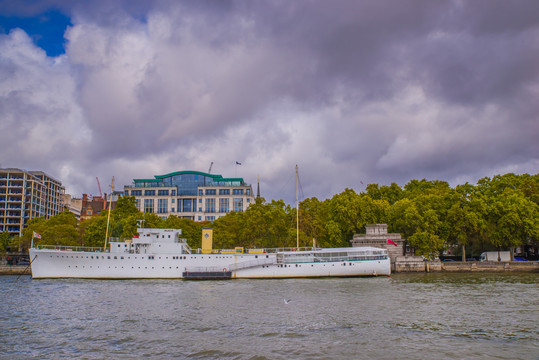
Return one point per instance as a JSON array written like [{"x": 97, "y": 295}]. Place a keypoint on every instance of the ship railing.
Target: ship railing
[
  {"x": 256, "y": 250},
  {"x": 71, "y": 248}
]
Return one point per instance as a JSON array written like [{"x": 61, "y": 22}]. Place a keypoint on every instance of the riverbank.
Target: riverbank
[
  {"x": 15, "y": 270},
  {"x": 408, "y": 264}
]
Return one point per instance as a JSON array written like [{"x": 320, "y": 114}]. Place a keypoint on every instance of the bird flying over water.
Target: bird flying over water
[{"x": 286, "y": 301}]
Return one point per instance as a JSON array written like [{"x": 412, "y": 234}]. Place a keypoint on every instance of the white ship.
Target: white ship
[{"x": 162, "y": 253}]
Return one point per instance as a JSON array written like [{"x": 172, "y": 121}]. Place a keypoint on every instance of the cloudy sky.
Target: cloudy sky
[{"x": 354, "y": 92}]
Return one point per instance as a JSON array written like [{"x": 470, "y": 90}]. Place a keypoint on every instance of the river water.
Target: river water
[{"x": 419, "y": 316}]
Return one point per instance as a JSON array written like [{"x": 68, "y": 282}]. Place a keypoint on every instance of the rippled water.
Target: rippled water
[{"x": 420, "y": 316}]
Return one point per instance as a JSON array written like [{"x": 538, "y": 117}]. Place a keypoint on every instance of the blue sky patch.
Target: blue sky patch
[{"x": 46, "y": 29}]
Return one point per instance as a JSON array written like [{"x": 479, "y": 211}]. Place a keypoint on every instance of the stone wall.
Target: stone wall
[
  {"x": 491, "y": 266},
  {"x": 404, "y": 264},
  {"x": 15, "y": 270}
]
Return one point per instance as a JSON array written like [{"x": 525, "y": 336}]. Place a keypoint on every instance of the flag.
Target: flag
[
  {"x": 238, "y": 163},
  {"x": 36, "y": 235},
  {"x": 391, "y": 242}
]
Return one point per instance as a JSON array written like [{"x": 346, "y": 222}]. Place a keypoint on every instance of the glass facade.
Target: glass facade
[
  {"x": 210, "y": 205},
  {"x": 148, "y": 205},
  {"x": 238, "y": 204},
  {"x": 162, "y": 206},
  {"x": 223, "y": 205}
]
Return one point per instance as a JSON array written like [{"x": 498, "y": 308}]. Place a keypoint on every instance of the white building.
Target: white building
[{"x": 191, "y": 194}]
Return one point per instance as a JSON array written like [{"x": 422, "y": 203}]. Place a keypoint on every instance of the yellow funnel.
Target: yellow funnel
[{"x": 207, "y": 241}]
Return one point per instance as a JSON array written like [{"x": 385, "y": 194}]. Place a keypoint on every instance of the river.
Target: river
[{"x": 416, "y": 316}]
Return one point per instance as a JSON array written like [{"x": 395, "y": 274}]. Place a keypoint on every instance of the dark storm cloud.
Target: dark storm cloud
[{"x": 371, "y": 91}]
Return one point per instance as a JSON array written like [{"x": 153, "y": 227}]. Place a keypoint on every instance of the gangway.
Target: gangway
[{"x": 215, "y": 272}]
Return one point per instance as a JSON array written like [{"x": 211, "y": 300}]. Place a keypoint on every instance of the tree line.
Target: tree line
[{"x": 501, "y": 212}]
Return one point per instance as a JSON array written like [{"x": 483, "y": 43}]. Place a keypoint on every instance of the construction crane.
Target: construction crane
[
  {"x": 99, "y": 186},
  {"x": 209, "y": 170}
]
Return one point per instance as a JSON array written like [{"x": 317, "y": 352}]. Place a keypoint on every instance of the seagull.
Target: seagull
[{"x": 286, "y": 301}]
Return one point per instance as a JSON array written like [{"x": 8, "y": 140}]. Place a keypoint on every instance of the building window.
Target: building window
[
  {"x": 148, "y": 205},
  {"x": 187, "y": 205},
  {"x": 224, "y": 191},
  {"x": 210, "y": 192},
  {"x": 137, "y": 203},
  {"x": 149, "y": 192},
  {"x": 200, "y": 193},
  {"x": 223, "y": 205},
  {"x": 237, "y": 192},
  {"x": 136, "y": 192},
  {"x": 210, "y": 205},
  {"x": 248, "y": 191},
  {"x": 173, "y": 192},
  {"x": 162, "y": 192},
  {"x": 162, "y": 206},
  {"x": 126, "y": 192},
  {"x": 238, "y": 205},
  {"x": 210, "y": 218}
]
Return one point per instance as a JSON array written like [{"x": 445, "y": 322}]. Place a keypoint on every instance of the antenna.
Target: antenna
[{"x": 209, "y": 170}]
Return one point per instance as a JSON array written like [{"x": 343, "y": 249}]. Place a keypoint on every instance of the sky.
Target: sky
[{"x": 353, "y": 92}]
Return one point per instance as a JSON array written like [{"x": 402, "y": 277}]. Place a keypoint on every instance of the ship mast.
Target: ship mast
[
  {"x": 108, "y": 218},
  {"x": 297, "y": 210}
]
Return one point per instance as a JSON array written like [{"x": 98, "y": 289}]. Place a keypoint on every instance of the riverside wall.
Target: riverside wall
[
  {"x": 408, "y": 264},
  {"x": 15, "y": 270}
]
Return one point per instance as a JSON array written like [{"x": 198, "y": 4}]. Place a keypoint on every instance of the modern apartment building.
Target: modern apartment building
[
  {"x": 25, "y": 195},
  {"x": 191, "y": 194}
]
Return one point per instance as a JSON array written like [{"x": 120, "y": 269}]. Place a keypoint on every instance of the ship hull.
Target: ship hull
[{"x": 48, "y": 263}]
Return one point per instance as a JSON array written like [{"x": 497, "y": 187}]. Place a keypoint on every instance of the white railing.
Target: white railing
[{"x": 71, "y": 248}]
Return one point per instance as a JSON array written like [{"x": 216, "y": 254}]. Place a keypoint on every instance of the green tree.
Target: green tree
[
  {"x": 5, "y": 238},
  {"x": 513, "y": 220}
]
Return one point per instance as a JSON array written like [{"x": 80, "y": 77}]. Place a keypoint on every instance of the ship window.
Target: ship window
[
  {"x": 116, "y": 257},
  {"x": 121, "y": 257},
  {"x": 118, "y": 245}
]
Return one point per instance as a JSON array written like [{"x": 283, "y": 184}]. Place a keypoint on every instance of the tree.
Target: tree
[
  {"x": 4, "y": 241},
  {"x": 426, "y": 244},
  {"x": 513, "y": 220}
]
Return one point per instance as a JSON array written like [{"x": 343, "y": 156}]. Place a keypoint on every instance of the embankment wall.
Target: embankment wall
[
  {"x": 404, "y": 264},
  {"x": 15, "y": 270}
]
